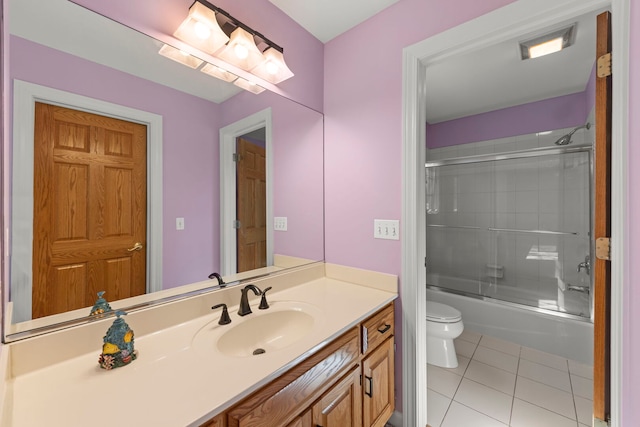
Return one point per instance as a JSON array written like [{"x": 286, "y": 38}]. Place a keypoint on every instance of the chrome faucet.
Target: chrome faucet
[
  {"x": 586, "y": 265},
  {"x": 244, "y": 299}
]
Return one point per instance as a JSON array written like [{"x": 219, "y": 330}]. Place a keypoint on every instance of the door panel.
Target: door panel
[{"x": 89, "y": 209}]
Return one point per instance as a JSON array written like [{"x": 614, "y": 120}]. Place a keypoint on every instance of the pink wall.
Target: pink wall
[
  {"x": 303, "y": 52},
  {"x": 631, "y": 290},
  {"x": 190, "y": 133},
  {"x": 549, "y": 114},
  {"x": 297, "y": 135}
]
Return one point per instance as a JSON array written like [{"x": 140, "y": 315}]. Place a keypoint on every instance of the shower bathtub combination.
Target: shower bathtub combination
[{"x": 509, "y": 238}]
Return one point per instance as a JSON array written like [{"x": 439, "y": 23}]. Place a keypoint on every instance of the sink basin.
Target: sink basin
[{"x": 262, "y": 331}]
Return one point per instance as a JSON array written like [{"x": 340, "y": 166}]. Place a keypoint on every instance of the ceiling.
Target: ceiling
[{"x": 327, "y": 19}]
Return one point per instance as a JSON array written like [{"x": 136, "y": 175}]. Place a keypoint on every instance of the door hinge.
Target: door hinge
[
  {"x": 236, "y": 224},
  {"x": 604, "y": 65},
  {"x": 237, "y": 157},
  {"x": 603, "y": 248}
]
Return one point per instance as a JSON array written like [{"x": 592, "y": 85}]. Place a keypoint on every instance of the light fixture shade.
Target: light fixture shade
[
  {"x": 250, "y": 86},
  {"x": 179, "y": 56},
  {"x": 241, "y": 50},
  {"x": 217, "y": 72},
  {"x": 273, "y": 69},
  {"x": 201, "y": 30},
  {"x": 551, "y": 42}
]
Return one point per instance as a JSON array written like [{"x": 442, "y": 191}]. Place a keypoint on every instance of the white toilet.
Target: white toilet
[{"x": 444, "y": 324}]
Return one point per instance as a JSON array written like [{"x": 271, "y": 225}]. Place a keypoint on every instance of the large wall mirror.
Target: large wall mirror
[{"x": 76, "y": 78}]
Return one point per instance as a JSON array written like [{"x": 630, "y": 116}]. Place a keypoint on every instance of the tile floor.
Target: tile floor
[{"x": 499, "y": 383}]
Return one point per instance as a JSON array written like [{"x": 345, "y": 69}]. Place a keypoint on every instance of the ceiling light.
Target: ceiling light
[
  {"x": 273, "y": 69},
  {"x": 241, "y": 50},
  {"x": 220, "y": 73},
  {"x": 180, "y": 56},
  {"x": 548, "y": 43},
  {"x": 250, "y": 86},
  {"x": 201, "y": 30}
]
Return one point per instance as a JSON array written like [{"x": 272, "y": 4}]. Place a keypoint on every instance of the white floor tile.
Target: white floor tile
[
  {"x": 463, "y": 362},
  {"x": 546, "y": 397},
  {"x": 464, "y": 348},
  {"x": 461, "y": 416},
  {"x": 584, "y": 371},
  {"x": 496, "y": 358},
  {"x": 543, "y": 358},
  {"x": 500, "y": 345},
  {"x": 527, "y": 415},
  {"x": 490, "y": 376},
  {"x": 437, "y": 406},
  {"x": 484, "y": 400},
  {"x": 582, "y": 387},
  {"x": 544, "y": 374},
  {"x": 584, "y": 408},
  {"x": 442, "y": 381},
  {"x": 470, "y": 336}
]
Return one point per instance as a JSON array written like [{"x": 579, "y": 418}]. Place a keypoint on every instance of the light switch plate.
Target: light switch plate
[
  {"x": 386, "y": 229},
  {"x": 280, "y": 223}
]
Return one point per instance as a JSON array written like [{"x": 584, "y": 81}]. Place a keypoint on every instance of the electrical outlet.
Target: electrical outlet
[
  {"x": 280, "y": 223},
  {"x": 386, "y": 229},
  {"x": 179, "y": 223}
]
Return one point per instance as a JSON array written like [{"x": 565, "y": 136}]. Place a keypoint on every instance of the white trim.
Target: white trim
[
  {"x": 515, "y": 19},
  {"x": 25, "y": 95},
  {"x": 228, "y": 135}
]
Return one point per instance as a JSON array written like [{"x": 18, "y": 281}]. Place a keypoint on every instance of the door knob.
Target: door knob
[{"x": 136, "y": 247}]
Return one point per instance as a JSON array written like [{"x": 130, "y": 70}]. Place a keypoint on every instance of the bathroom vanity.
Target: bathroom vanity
[{"x": 327, "y": 359}]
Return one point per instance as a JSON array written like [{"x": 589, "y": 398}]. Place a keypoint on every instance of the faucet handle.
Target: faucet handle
[
  {"x": 224, "y": 317},
  {"x": 263, "y": 301}
]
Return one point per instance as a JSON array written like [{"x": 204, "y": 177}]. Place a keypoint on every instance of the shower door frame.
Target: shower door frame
[{"x": 514, "y": 19}]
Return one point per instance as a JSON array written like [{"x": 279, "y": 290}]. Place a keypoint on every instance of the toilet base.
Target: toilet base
[{"x": 441, "y": 352}]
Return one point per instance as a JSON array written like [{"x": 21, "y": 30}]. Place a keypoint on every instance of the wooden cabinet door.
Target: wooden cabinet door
[
  {"x": 378, "y": 385},
  {"x": 341, "y": 405},
  {"x": 303, "y": 420}
]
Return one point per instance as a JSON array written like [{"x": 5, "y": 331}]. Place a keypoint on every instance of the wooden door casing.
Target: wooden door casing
[
  {"x": 602, "y": 228},
  {"x": 89, "y": 209},
  {"x": 251, "y": 206}
]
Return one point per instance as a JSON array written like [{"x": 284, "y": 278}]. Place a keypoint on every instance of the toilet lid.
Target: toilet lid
[{"x": 442, "y": 313}]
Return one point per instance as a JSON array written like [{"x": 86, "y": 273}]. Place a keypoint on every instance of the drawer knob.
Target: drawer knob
[{"x": 384, "y": 328}]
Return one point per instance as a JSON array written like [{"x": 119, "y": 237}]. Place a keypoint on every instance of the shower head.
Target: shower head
[{"x": 566, "y": 140}]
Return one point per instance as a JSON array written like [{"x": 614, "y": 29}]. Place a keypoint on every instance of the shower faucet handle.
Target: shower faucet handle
[{"x": 586, "y": 265}]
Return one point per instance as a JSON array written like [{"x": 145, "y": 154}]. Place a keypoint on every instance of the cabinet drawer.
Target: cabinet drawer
[
  {"x": 278, "y": 402},
  {"x": 377, "y": 328}
]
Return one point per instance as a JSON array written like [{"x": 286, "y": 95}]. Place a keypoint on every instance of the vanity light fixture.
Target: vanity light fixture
[
  {"x": 180, "y": 56},
  {"x": 549, "y": 43},
  {"x": 215, "y": 71},
  {"x": 250, "y": 86},
  {"x": 215, "y": 32}
]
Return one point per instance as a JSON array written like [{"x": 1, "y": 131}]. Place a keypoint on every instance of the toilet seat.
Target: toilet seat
[{"x": 442, "y": 313}]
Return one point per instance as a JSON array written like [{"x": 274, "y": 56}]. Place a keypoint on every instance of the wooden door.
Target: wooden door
[
  {"x": 89, "y": 209},
  {"x": 341, "y": 406},
  {"x": 602, "y": 224},
  {"x": 251, "y": 206},
  {"x": 377, "y": 386}
]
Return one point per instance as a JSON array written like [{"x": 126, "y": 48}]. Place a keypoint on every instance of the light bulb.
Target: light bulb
[
  {"x": 241, "y": 51},
  {"x": 202, "y": 31},
  {"x": 272, "y": 68}
]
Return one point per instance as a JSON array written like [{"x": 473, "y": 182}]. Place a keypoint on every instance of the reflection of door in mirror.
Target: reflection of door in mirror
[
  {"x": 89, "y": 209},
  {"x": 251, "y": 201}
]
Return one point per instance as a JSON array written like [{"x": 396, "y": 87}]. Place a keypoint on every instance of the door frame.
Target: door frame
[
  {"x": 25, "y": 95},
  {"x": 228, "y": 135},
  {"x": 509, "y": 21}
]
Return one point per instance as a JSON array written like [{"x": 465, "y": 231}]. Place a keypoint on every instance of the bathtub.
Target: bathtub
[{"x": 567, "y": 337}]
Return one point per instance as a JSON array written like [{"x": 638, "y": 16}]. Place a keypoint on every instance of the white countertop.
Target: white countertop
[{"x": 177, "y": 381}]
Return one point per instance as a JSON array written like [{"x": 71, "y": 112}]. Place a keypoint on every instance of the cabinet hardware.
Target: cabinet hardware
[
  {"x": 370, "y": 379},
  {"x": 384, "y": 329}
]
